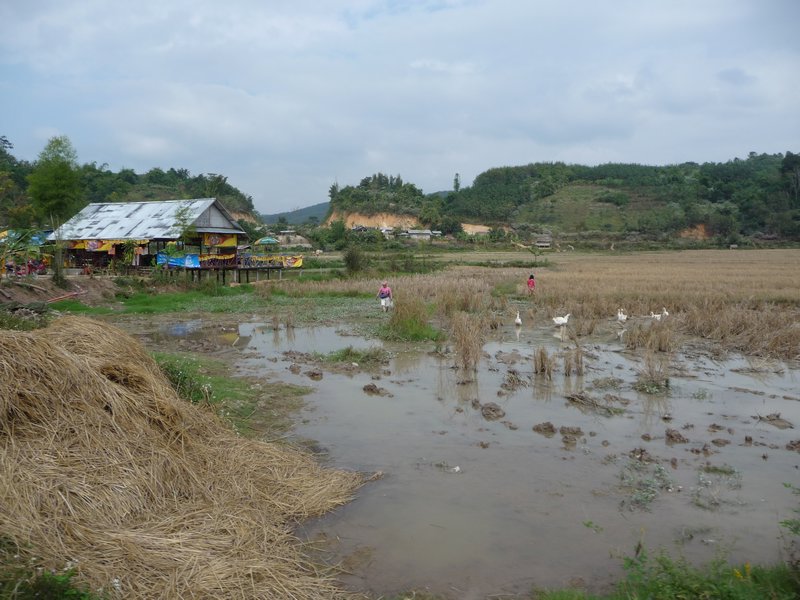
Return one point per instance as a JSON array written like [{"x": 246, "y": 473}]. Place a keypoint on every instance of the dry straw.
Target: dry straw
[
  {"x": 467, "y": 333},
  {"x": 748, "y": 301},
  {"x": 103, "y": 465}
]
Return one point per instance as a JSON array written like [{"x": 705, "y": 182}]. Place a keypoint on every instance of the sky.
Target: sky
[{"x": 286, "y": 98}]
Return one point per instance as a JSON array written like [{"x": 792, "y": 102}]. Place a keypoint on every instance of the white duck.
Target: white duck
[
  {"x": 518, "y": 321},
  {"x": 561, "y": 320},
  {"x": 664, "y": 312},
  {"x": 621, "y": 316},
  {"x": 655, "y": 316}
]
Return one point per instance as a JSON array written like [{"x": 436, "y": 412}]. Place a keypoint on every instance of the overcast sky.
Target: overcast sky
[{"x": 287, "y": 97}]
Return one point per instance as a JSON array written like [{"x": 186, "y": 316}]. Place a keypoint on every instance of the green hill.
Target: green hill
[
  {"x": 756, "y": 195},
  {"x": 316, "y": 212}
]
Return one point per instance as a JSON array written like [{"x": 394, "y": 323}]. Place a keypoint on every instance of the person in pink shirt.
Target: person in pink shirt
[
  {"x": 531, "y": 284},
  {"x": 385, "y": 296}
]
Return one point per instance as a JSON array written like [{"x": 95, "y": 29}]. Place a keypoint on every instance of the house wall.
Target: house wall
[{"x": 213, "y": 218}]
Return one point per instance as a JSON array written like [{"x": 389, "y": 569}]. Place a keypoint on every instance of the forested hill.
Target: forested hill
[
  {"x": 25, "y": 186},
  {"x": 759, "y": 194},
  {"x": 310, "y": 214}
]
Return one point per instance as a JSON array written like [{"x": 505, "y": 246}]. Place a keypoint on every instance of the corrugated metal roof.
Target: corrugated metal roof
[{"x": 137, "y": 220}]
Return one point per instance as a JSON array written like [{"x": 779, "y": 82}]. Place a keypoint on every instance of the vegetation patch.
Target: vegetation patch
[
  {"x": 247, "y": 405},
  {"x": 371, "y": 357},
  {"x": 409, "y": 322},
  {"x": 76, "y": 307},
  {"x": 716, "y": 486},
  {"x": 643, "y": 482}
]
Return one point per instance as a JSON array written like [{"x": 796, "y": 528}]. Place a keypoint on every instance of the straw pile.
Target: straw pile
[{"x": 103, "y": 465}]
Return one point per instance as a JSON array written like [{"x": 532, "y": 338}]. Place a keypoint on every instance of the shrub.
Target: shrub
[{"x": 354, "y": 259}]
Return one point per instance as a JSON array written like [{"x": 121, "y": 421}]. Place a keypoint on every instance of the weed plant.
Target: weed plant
[{"x": 653, "y": 378}]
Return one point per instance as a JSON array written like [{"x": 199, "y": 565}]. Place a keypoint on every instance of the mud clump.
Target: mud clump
[
  {"x": 641, "y": 455},
  {"x": 491, "y": 411},
  {"x": 314, "y": 374},
  {"x": 569, "y": 441},
  {"x": 775, "y": 420},
  {"x": 373, "y": 390},
  {"x": 673, "y": 436},
  {"x": 794, "y": 446},
  {"x": 575, "y": 431},
  {"x": 546, "y": 429}
]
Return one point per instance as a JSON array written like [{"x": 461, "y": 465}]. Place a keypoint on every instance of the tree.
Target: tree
[
  {"x": 790, "y": 169},
  {"x": 214, "y": 184},
  {"x": 54, "y": 184}
]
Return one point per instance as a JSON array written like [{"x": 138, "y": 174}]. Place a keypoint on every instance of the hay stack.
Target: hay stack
[{"x": 101, "y": 463}]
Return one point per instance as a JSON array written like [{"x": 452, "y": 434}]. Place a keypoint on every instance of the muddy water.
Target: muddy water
[{"x": 469, "y": 507}]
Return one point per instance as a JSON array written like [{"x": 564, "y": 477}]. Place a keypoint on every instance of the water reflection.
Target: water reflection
[
  {"x": 655, "y": 410},
  {"x": 483, "y": 527},
  {"x": 407, "y": 362}
]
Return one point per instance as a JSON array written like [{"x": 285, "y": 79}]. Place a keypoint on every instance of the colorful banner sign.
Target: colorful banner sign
[
  {"x": 219, "y": 240},
  {"x": 100, "y": 245},
  {"x": 270, "y": 261}
]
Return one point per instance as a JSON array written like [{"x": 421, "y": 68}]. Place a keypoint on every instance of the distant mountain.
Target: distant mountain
[{"x": 299, "y": 216}]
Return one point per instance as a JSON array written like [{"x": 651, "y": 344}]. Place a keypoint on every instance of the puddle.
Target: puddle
[{"x": 470, "y": 507}]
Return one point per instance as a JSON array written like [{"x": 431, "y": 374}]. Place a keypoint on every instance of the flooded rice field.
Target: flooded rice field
[{"x": 500, "y": 479}]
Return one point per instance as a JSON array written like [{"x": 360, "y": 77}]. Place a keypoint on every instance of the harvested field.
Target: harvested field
[{"x": 147, "y": 496}]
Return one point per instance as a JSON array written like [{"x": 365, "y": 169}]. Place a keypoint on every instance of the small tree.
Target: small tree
[
  {"x": 184, "y": 224},
  {"x": 54, "y": 185}
]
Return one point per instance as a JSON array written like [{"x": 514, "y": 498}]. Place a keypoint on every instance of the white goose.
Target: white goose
[
  {"x": 621, "y": 316},
  {"x": 518, "y": 321},
  {"x": 561, "y": 320},
  {"x": 655, "y": 316},
  {"x": 664, "y": 312}
]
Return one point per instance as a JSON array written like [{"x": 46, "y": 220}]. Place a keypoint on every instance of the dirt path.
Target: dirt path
[{"x": 89, "y": 290}]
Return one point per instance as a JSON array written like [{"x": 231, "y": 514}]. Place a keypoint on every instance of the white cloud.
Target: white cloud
[{"x": 285, "y": 97}]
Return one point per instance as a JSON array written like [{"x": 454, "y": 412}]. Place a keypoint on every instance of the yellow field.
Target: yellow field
[{"x": 747, "y": 300}]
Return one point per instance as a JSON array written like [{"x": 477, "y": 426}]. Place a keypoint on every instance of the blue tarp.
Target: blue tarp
[
  {"x": 33, "y": 239},
  {"x": 187, "y": 261},
  {"x": 264, "y": 241}
]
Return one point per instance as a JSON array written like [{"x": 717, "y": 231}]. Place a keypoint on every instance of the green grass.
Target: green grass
[
  {"x": 365, "y": 358},
  {"x": 11, "y": 321},
  {"x": 199, "y": 380},
  {"x": 213, "y": 299},
  {"x": 665, "y": 578},
  {"x": 22, "y": 579},
  {"x": 409, "y": 322},
  {"x": 216, "y": 300}
]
